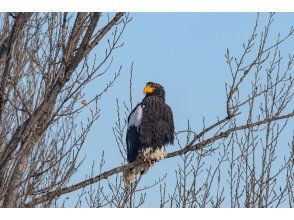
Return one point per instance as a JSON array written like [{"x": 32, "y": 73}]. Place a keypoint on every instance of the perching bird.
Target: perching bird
[{"x": 150, "y": 128}]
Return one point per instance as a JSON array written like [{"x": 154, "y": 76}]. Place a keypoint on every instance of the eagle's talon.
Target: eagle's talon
[{"x": 150, "y": 163}]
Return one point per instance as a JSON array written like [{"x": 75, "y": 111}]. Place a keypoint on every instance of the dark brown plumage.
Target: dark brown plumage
[{"x": 150, "y": 128}]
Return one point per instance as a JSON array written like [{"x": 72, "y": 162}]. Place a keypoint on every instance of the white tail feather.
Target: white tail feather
[{"x": 129, "y": 176}]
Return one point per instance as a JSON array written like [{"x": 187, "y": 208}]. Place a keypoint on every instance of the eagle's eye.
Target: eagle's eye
[{"x": 148, "y": 89}]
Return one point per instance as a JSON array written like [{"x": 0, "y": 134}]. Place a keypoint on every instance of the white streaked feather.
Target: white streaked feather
[
  {"x": 157, "y": 154},
  {"x": 136, "y": 117}
]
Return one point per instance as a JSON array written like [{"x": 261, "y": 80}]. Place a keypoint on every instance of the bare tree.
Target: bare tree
[
  {"x": 46, "y": 62},
  {"x": 45, "y": 65}
]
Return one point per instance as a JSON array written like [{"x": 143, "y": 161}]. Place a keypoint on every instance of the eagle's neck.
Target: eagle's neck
[{"x": 153, "y": 97}]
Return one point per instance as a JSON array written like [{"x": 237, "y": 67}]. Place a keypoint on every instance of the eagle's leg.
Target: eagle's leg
[{"x": 149, "y": 161}]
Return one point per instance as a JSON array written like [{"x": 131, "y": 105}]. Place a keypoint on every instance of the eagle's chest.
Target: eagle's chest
[
  {"x": 153, "y": 110},
  {"x": 147, "y": 113}
]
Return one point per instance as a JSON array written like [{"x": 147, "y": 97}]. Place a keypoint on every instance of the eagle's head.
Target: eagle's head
[{"x": 154, "y": 89}]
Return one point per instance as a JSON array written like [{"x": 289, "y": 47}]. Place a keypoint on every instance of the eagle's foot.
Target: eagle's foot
[{"x": 150, "y": 162}]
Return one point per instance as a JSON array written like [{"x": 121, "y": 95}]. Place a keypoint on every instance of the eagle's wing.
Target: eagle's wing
[
  {"x": 169, "y": 125},
  {"x": 132, "y": 138}
]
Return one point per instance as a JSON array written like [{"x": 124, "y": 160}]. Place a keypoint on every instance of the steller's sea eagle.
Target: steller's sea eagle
[{"x": 150, "y": 128}]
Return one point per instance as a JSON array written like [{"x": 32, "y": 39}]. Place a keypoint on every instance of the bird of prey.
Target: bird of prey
[{"x": 150, "y": 129}]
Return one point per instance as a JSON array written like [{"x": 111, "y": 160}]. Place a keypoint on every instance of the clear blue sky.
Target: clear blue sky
[{"x": 185, "y": 53}]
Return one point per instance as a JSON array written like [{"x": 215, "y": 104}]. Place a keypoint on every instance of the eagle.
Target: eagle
[{"x": 150, "y": 129}]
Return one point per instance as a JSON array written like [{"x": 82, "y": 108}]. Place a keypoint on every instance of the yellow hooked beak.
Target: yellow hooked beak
[{"x": 148, "y": 89}]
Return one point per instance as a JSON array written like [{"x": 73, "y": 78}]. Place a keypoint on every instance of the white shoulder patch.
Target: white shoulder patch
[{"x": 136, "y": 117}]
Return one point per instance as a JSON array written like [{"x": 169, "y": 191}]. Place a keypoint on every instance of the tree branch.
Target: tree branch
[{"x": 105, "y": 175}]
